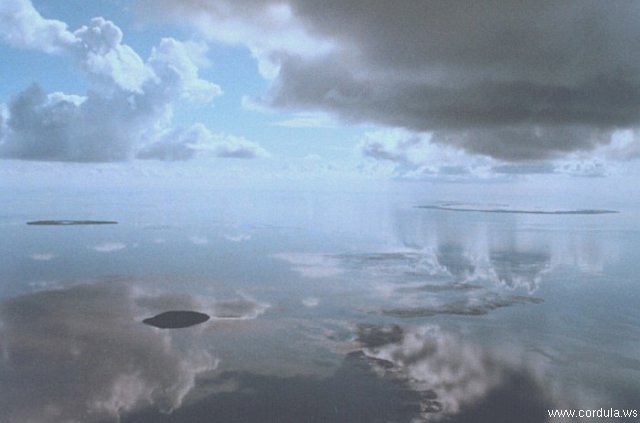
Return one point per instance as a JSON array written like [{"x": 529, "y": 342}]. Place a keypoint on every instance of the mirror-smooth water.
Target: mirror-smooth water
[{"x": 324, "y": 307}]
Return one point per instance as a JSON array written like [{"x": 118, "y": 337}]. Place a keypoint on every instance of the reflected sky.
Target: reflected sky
[
  {"x": 461, "y": 379},
  {"x": 424, "y": 375},
  {"x": 354, "y": 307},
  {"x": 82, "y": 354}
]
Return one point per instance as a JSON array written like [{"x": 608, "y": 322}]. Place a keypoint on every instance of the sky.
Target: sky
[{"x": 335, "y": 90}]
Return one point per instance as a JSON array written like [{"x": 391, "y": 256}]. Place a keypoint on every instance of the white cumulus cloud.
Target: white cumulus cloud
[
  {"x": 198, "y": 140},
  {"x": 129, "y": 104}
]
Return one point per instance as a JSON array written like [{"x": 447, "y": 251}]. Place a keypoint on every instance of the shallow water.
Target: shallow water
[{"x": 324, "y": 306}]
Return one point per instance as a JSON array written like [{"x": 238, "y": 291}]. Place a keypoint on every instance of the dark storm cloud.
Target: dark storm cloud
[
  {"x": 426, "y": 105},
  {"x": 63, "y": 128},
  {"x": 512, "y": 143},
  {"x": 511, "y": 80}
]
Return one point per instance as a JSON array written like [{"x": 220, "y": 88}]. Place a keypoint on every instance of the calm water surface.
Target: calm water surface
[{"x": 325, "y": 307}]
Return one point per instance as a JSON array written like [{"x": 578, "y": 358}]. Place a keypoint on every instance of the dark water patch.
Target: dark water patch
[
  {"x": 419, "y": 377},
  {"x": 71, "y": 222},
  {"x": 518, "y": 211},
  {"x": 176, "y": 319},
  {"x": 354, "y": 393},
  {"x": 518, "y": 398},
  {"x": 466, "y": 307},
  {"x": 372, "y": 336}
]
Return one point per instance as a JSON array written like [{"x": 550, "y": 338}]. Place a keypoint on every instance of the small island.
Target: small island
[
  {"x": 176, "y": 319},
  {"x": 453, "y": 208},
  {"x": 71, "y": 222}
]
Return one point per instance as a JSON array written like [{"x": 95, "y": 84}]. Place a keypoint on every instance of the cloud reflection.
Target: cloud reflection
[
  {"x": 472, "y": 306},
  {"x": 81, "y": 354},
  {"x": 312, "y": 266},
  {"x": 520, "y": 268},
  {"x": 421, "y": 375},
  {"x": 447, "y": 280},
  {"x": 109, "y": 247},
  {"x": 458, "y": 381},
  {"x": 43, "y": 256},
  {"x": 198, "y": 240}
]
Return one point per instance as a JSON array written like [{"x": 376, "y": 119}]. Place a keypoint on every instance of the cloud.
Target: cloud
[
  {"x": 197, "y": 140},
  {"x": 512, "y": 81},
  {"x": 128, "y": 106},
  {"x": 100, "y": 358},
  {"x": 584, "y": 167},
  {"x": 442, "y": 153},
  {"x": 175, "y": 145},
  {"x": 4, "y": 115},
  {"x": 414, "y": 155},
  {"x": 518, "y": 143},
  {"x": 22, "y": 26},
  {"x": 235, "y": 147},
  {"x": 99, "y": 50},
  {"x": 625, "y": 147},
  {"x": 524, "y": 168},
  {"x": 265, "y": 27},
  {"x": 307, "y": 120},
  {"x": 394, "y": 146}
]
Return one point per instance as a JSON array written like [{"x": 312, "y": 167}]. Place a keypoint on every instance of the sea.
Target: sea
[{"x": 409, "y": 302}]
